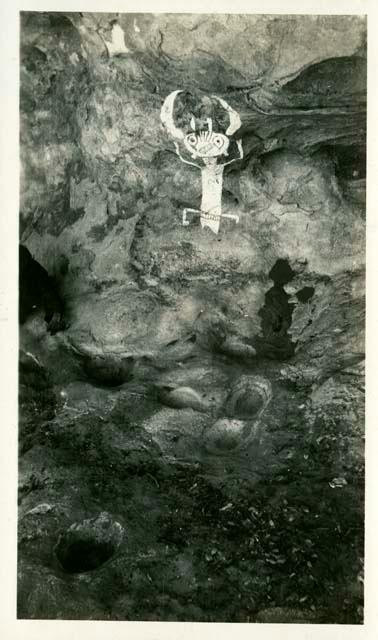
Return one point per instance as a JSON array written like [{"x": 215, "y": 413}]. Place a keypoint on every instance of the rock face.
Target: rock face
[
  {"x": 102, "y": 188},
  {"x": 191, "y": 367}
]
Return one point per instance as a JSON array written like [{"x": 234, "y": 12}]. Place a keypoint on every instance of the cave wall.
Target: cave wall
[
  {"x": 102, "y": 190},
  {"x": 225, "y": 499}
]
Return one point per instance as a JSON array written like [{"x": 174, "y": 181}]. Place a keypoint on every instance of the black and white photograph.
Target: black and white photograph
[{"x": 191, "y": 317}]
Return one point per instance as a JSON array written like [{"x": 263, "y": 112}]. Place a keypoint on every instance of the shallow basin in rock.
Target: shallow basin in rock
[
  {"x": 226, "y": 435},
  {"x": 87, "y": 545},
  {"x": 249, "y": 397}
]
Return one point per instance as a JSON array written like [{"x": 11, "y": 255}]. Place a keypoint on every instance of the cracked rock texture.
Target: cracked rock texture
[{"x": 192, "y": 443}]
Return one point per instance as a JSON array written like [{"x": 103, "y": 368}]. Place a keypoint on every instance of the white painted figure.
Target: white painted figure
[
  {"x": 117, "y": 45},
  {"x": 207, "y": 145}
]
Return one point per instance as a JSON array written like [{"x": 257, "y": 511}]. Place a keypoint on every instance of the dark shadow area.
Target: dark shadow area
[
  {"x": 349, "y": 161},
  {"x": 305, "y": 294},
  {"x": 276, "y": 316},
  {"x": 83, "y": 555},
  {"x": 38, "y": 290}
]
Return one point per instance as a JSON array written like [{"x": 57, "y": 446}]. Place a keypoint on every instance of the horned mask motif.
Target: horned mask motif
[{"x": 208, "y": 146}]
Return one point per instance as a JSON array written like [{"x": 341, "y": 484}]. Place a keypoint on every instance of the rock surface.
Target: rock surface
[{"x": 143, "y": 408}]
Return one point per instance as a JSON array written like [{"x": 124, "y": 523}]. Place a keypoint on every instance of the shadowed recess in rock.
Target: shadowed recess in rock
[
  {"x": 305, "y": 294},
  {"x": 38, "y": 290},
  {"x": 84, "y": 555},
  {"x": 86, "y": 545},
  {"x": 276, "y": 315}
]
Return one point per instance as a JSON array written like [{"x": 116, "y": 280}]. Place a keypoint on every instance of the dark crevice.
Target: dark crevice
[
  {"x": 38, "y": 290},
  {"x": 276, "y": 316},
  {"x": 349, "y": 161},
  {"x": 305, "y": 294},
  {"x": 84, "y": 555},
  {"x": 281, "y": 273}
]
